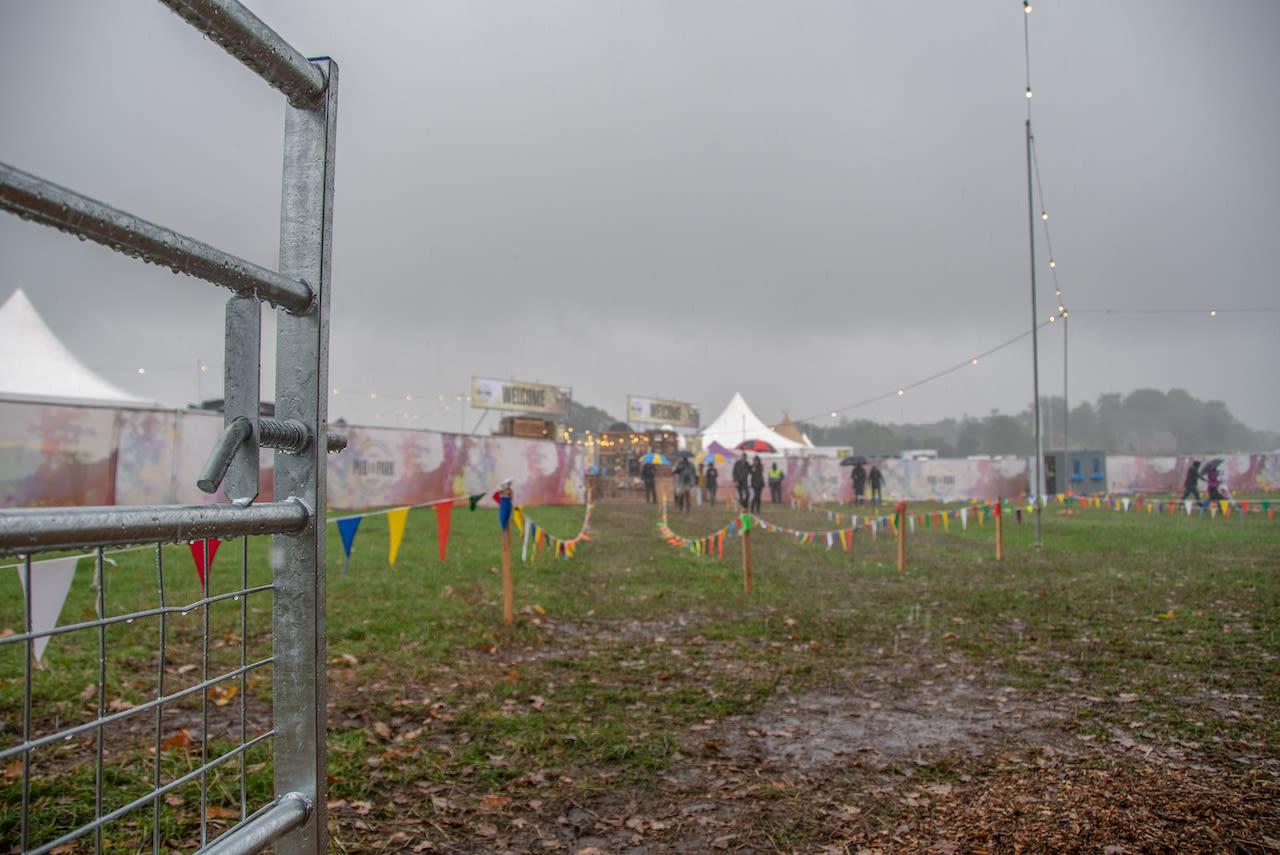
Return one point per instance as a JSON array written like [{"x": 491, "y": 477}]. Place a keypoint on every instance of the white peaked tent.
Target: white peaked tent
[
  {"x": 35, "y": 364},
  {"x": 738, "y": 423}
]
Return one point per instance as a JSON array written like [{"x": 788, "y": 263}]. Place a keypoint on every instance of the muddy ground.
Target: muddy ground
[{"x": 937, "y": 756}]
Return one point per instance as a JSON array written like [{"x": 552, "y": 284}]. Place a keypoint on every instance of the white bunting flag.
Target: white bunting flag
[{"x": 50, "y": 581}]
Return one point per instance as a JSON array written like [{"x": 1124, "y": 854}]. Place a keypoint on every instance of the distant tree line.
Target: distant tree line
[
  {"x": 1145, "y": 422},
  {"x": 583, "y": 418}
]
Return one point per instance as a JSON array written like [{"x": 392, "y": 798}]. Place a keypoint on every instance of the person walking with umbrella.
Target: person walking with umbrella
[
  {"x": 712, "y": 479},
  {"x": 757, "y": 483},
  {"x": 1191, "y": 486},
  {"x": 1213, "y": 480},
  {"x": 646, "y": 475},
  {"x": 741, "y": 475},
  {"x": 859, "y": 477}
]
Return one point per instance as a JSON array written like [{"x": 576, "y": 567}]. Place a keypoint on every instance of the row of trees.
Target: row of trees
[{"x": 1146, "y": 421}]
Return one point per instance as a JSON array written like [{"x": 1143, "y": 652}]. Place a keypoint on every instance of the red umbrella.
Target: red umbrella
[{"x": 757, "y": 445}]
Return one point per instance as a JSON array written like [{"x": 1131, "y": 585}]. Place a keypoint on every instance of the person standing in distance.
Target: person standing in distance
[
  {"x": 741, "y": 475},
  {"x": 775, "y": 483},
  {"x": 877, "y": 481},
  {"x": 757, "y": 483}
]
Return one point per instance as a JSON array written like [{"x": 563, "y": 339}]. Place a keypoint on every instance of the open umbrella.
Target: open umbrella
[
  {"x": 654, "y": 457},
  {"x": 1212, "y": 464},
  {"x": 757, "y": 445},
  {"x": 712, "y": 457},
  {"x": 682, "y": 453},
  {"x": 854, "y": 460}
]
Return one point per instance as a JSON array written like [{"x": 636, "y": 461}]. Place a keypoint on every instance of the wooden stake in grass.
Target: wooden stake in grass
[
  {"x": 746, "y": 554},
  {"x": 504, "y": 519},
  {"x": 902, "y": 537},
  {"x": 999, "y": 514}
]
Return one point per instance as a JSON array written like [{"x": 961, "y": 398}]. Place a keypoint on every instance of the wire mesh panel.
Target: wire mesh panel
[{"x": 187, "y": 706}]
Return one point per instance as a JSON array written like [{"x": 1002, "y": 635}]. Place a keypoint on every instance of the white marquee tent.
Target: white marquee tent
[
  {"x": 34, "y": 364},
  {"x": 738, "y": 423}
]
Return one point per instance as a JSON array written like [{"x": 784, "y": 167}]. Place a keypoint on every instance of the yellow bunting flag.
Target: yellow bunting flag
[
  {"x": 395, "y": 524},
  {"x": 1226, "y": 508},
  {"x": 517, "y": 517}
]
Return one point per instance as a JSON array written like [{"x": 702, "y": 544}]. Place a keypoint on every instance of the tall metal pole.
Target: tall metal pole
[
  {"x": 1066, "y": 406},
  {"x": 1035, "y": 342}
]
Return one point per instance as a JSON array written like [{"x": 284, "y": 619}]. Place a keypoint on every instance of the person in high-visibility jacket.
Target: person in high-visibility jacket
[{"x": 775, "y": 483}]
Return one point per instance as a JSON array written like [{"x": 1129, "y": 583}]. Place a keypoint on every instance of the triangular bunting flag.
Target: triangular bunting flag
[
  {"x": 475, "y": 500},
  {"x": 504, "y": 511},
  {"x": 395, "y": 525},
  {"x": 347, "y": 531},
  {"x": 444, "y": 515},
  {"x": 202, "y": 551},
  {"x": 50, "y": 582}
]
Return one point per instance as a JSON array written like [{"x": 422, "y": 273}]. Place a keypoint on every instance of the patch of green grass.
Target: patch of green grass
[{"x": 1156, "y": 623}]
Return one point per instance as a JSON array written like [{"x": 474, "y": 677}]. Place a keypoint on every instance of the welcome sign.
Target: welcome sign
[
  {"x": 660, "y": 412},
  {"x": 490, "y": 394}
]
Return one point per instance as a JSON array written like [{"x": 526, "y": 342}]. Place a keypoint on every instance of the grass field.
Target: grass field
[{"x": 1119, "y": 687}]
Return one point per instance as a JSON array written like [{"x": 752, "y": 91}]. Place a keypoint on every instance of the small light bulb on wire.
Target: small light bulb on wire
[
  {"x": 1026, "y": 6},
  {"x": 1053, "y": 263},
  {"x": 1028, "y": 91},
  {"x": 975, "y": 360},
  {"x": 1213, "y": 313},
  {"x": 901, "y": 391},
  {"x": 1044, "y": 215}
]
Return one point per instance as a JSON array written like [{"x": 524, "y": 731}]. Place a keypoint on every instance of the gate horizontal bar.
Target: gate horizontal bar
[
  {"x": 32, "y": 530},
  {"x": 244, "y": 36},
  {"x": 260, "y": 831},
  {"x": 33, "y": 198}
]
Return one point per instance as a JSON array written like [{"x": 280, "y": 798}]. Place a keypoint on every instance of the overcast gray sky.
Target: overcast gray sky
[{"x": 812, "y": 203}]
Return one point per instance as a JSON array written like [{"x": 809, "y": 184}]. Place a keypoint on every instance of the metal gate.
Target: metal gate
[{"x": 37, "y": 739}]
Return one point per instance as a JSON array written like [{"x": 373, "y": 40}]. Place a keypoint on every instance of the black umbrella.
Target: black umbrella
[
  {"x": 683, "y": 454},
  {"x": 854, "y": 460},
  {"x": 1213, "y": 464}
]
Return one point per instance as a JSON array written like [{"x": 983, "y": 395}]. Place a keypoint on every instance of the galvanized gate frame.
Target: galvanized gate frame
[{"x": 295, "y": 821}]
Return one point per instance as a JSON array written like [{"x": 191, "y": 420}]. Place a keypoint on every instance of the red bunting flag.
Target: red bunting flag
[
  {"x": 444, "y": 514},
  {"x": 198, "y": 553}
]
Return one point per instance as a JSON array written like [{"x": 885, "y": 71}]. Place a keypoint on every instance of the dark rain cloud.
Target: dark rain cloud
[{"x": 810, "y": 203}]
